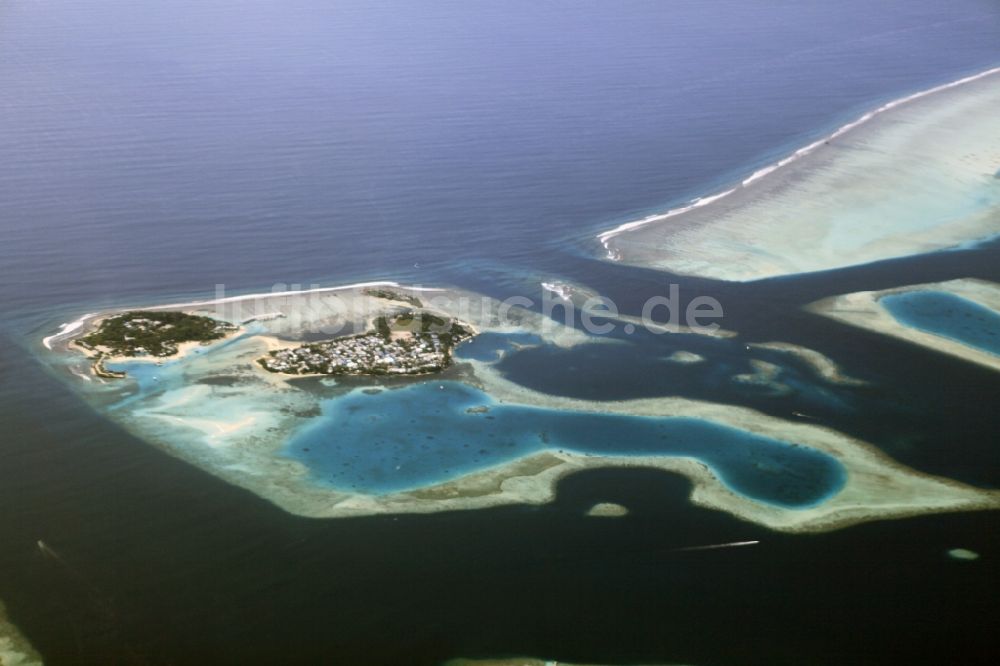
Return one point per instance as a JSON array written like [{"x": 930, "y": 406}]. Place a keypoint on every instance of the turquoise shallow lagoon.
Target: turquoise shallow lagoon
[
  {"x": 947, "y": 315},
  {"x": 153, "y": 378},
  {"x": 378, "y": 442},
  {"x": 155, "y": 151}
]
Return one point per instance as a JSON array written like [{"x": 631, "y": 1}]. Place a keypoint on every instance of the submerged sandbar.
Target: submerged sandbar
[
  {"x": 915, "y": 175},
  {"x": 868, "y": 310},
  {"x": 218, "y": 409}
]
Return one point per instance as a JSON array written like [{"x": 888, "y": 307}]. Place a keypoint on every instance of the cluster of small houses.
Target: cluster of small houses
[
  {"x": 145, "y": 325},
  {"x": 369, "y": 353}
]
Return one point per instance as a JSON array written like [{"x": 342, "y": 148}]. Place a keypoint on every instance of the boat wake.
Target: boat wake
[{"x": 716, "y": 546}]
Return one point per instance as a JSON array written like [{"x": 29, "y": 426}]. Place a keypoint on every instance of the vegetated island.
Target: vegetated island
[
  {"x": 390, "y": 295},
  {"x": 415, "y": 342},
  {"x": 139, "y": 333},
  {"x": 247, "y": 422}
]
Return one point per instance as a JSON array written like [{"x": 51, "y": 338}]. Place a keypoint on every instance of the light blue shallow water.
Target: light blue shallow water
[
  {"x": 150, "y": 378},
  {"x": 411, "y": 437},
  {"x": 153, "y": 153},
  {"x": 947, "y": 315},
  {"x": 153, "y": 150}
]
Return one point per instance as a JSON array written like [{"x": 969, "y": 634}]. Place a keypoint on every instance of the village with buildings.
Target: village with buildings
[{"x": 413, "y": 343}]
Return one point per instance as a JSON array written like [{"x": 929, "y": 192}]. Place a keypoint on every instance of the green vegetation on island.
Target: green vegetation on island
[
  {"x": 145, "y": 333},
  {"x": 412, "y": 343},
  {"x": 389, "y": 295}
]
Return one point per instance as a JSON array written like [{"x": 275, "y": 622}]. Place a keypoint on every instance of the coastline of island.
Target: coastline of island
[
  {"x": 231, "y": 409},
  {"x": 142, "y": 335},
  {"x": 222, "y": 411}
]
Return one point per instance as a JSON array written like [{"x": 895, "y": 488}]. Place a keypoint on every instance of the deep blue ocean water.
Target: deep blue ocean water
[
  {"x": 948, "y": 315},
  {"x": 154, "y": 150},
  {"x": 158, "y": 150}
]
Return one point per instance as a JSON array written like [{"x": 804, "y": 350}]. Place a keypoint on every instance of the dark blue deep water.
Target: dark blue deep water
[
  {"x": 947, "y": 315},
  {"x": 154, "y": 150},
  {"x": 158, "y": 149}
]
